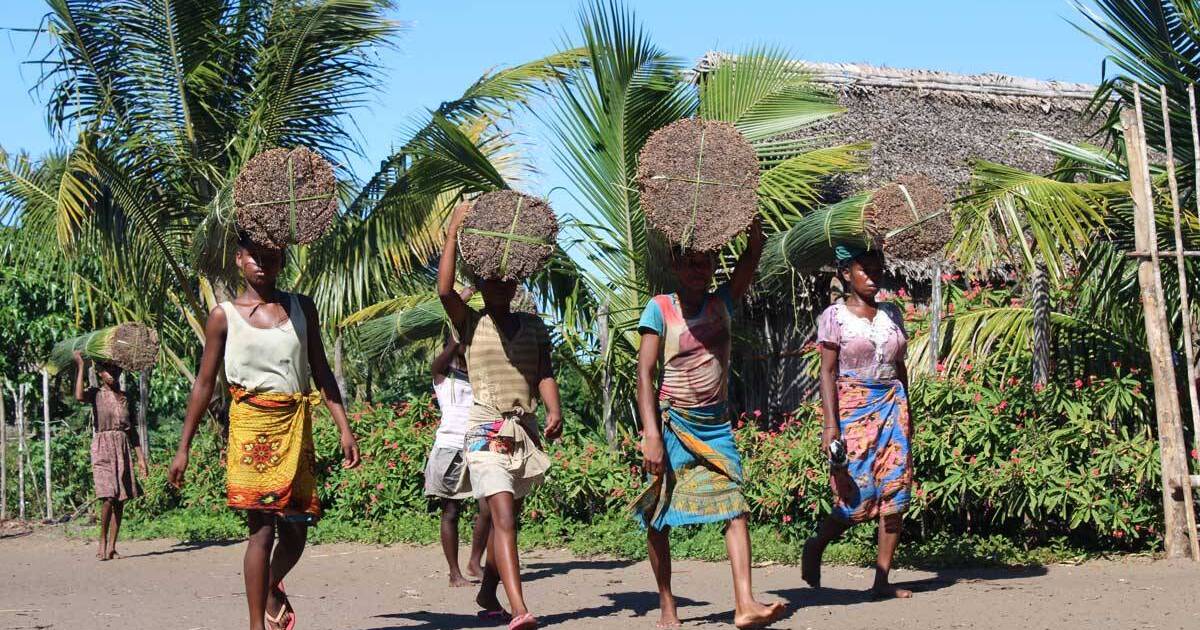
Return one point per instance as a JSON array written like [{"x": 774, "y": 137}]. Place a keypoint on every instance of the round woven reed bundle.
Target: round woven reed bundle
[
  {"x": 922, "y": 235},
  {"x": 134, "y": 346},
  {"x": 698, "y": 181},
  {"x": 285, "y": 197},
  {"x": 507, "y": 235}
]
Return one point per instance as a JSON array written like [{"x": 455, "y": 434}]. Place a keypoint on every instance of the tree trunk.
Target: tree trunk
[
  {"x": 1179, "y": 529},
  {"x": 935, "y": 320},
  {"x": 46, "y": 444},
  {"x": 143, "y": 404},
  {"x": 338, "y": 373},
  {"x": 1041, "y": 326},
  {"x": 606, "y": 414}
]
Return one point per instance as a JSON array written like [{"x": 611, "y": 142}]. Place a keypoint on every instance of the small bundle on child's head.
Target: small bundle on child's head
[
  {"x": 698, "y": 181},
  {"x": 131, "y": 346},
  {"x": 507, "y": 235},
  {"x": 911, "y": 214},
  {"x": 285, "y": 197}
]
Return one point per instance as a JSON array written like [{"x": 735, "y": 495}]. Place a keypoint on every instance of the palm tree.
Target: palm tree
[{"x": 601, "y": 114}]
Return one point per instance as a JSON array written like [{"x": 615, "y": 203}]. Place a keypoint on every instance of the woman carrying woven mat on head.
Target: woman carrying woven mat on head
[
  {"x": 508, "y": 360},
  {"x": 270, "y": 345},
  {"x": 688, "y": 443}
]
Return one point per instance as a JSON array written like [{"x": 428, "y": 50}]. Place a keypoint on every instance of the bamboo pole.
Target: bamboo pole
[
  {"x": 1177, "y": 510},
  {"x": 3, "y": 460},
  {"x": 46, "y": 444},
  {"x": 1196, "y": 194}
]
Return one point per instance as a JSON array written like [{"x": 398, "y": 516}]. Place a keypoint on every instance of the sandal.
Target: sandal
[
  {"x": 285, "y": 612},
  {"x": 523, "y": 622}
]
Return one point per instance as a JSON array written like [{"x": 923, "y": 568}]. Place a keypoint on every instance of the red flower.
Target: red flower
[
  {"x": 1195, "y": 454},
  {"x": 1078, "y": 383},
  {"x": 1118, "y": 534}
]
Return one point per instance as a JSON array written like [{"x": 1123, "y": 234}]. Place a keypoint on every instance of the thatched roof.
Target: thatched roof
[{"x": 934, "y": 123}]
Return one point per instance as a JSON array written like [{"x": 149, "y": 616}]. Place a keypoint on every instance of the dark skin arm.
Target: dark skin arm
[
  {"x": 215, "y": 330},
  {"x": 327, "y": 383},
  {"x": 82, "y": 394},
  {"x": 441, "y": 363},
  {"x": 548, "y": 392},
  {"x": 455, "y": 306},
  {"x": 747, "y": 265},
  {"x": 653, "y": 451},
  {"x": 830, "y": 429}
]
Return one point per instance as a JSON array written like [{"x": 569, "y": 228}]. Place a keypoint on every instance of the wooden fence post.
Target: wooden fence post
[
  {"x": 1177, "y": 498},
  {"x": 21, "y": 389},
  {"x": 3, "y": 459},
  {"x": 143, "y": 403},
  {"x": 46, "y": 443}
]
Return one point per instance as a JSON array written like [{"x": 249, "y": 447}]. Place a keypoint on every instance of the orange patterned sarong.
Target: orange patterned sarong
[{"x": 271, "y": 463}]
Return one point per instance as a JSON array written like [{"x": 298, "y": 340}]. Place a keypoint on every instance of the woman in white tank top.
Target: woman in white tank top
[{"x": 269, "y": 343}]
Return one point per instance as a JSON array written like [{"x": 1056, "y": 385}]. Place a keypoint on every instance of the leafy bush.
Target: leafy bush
[{"x": 997, "y": 482}]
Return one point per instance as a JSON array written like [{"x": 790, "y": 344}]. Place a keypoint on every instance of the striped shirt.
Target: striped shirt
[{"x": 505, "y": 372}]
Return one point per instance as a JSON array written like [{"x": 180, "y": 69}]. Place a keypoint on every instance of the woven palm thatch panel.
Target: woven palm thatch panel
[
  {"x": 911, "y": 214},
  {"x": 939, "y": 134},
  {"x": 285, "y": 197},
  {"x": 698, "y": 182},
  {"x": 507, "y": 235}
]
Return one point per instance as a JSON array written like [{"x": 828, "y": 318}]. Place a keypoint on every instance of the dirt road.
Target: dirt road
[{"x": 47, "y": 581}]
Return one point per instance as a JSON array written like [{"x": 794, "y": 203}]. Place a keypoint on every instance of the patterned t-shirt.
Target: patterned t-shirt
[
  {"x": 505, "y": 372},
  {"x": 695, "y": 351}
]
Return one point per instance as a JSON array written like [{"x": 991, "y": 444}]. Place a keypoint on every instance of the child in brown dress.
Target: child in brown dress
[{"x": 113, "y": 439}]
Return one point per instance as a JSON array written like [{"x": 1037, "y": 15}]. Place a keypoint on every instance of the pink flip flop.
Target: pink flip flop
[
  {"x": 523, "y": 622},
  {"x": 285, "y": 612}
]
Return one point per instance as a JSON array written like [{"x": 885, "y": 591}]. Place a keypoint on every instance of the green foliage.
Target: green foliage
[{"x": 997, "y": 483}]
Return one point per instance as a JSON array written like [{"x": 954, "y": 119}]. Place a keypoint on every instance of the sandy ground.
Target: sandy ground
[{"x": 47, "y": 581}]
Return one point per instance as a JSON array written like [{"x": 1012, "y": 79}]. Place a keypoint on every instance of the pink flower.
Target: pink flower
[
  {"x": 1002, "y": 406},
  {"x": 1078, "y": 383},
  {"x": 379, "y": 486},
  {"x": 941, "y": 367},
  {"x": 1195, "y": 454},
  {"x": 787, "y": 518},
  {"x": 757, "y": 413},
  {"x": 978, "y": 397},
  {"x": 392, "y": 465},
  {"x": 901, "y": 292},
  {"x": 1118, "y": 534}
]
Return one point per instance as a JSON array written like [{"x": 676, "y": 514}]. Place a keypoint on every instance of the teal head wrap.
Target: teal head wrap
[{"x": 846, "y": 252}]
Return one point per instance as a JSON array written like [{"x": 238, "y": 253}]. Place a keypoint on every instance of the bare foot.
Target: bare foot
[
  {"x": 474, "y": 570},
  {"x": 100, "y": 555},
  {"x": 888, "y": 591},
  {"x": 113, "y": 555},
  {"x": 810, "y": 565},
  {"x": 668, "y": 615},
  {"x": 458, "y": 581},
  {"x": 664, "y": 624},
  {"x": 760, "y": 615}
]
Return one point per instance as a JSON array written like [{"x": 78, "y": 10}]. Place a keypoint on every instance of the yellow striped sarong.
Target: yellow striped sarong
[{"x": 271, "y": 462}]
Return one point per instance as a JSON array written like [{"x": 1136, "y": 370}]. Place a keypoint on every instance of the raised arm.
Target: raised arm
[
  {"x": 747, "y": 265},
  {"x": 653, "y": 451},
  {"x": 455, "y": 306},
  {"x": 81, "y": 394},
  {"x": 318, "y": 364},
  {"x": 215, "y": 330}
]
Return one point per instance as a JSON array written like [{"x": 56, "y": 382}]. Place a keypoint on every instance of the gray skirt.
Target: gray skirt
[{"x": 442, "y": 474}]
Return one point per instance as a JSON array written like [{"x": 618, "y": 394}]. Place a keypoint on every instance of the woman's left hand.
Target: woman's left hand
[
  {"x": 350, "y": 456},
  {"x": 144, "y": 469}
]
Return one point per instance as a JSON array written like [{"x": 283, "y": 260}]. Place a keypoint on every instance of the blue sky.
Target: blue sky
[{"x": 448, "y": 44}]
